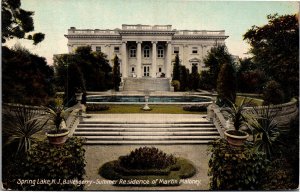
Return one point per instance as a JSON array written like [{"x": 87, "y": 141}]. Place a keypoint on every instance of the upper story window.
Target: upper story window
[
  {"x": 195, "y": 50},
  {"x": 176, "y": 50},
  {"x": 160, "y": 52},
  {"x": 117, "y": 49},
  {"x": 98, "y": 49},
  {"x": 146, "y": 51},
  {"x": 132, "y": 52}
]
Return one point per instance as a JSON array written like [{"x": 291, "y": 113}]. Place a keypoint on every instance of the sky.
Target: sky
[{"x": 55, "y": 17}]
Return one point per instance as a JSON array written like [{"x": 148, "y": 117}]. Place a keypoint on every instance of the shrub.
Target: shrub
[
  {"x": 19, "y": 127},
  {"x": 46, "y": 162},
  {"x": 198, "y": 108},
  {"x": 176, "y": 85},
  {"x": 96, "y": 107},
  {"x": 273, "y": 93},
  {"x": 147, "y": 158},
  {"x": 234, "y": 168}
]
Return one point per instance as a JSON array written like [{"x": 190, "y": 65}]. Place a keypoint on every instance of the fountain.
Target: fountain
[{"x": 147, "y": 95}]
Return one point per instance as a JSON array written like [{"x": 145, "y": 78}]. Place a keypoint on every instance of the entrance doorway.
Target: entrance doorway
[{"x": 146, "y": 70}]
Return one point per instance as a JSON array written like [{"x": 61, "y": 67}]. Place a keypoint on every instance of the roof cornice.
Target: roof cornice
[{"x": 199, "y": 37}]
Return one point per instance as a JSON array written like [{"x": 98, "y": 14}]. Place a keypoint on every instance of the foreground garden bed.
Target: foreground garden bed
[{"x": 146, "y": 169}]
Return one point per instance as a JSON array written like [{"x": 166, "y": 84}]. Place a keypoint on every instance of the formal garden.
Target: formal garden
[{"x": 255, "y": 112}]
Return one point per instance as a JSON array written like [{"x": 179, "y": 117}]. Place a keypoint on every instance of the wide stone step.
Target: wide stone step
[
  {"x": 143, "y": 137},
  {"x": 149, "y": 142},
  {"x": 144, "y": 129},
  {"x": 145, "y": 125},
  {"x": 139, "y": 122},
  {"x": 138, "y": 133},
  {"x": 137, "y": 84}
]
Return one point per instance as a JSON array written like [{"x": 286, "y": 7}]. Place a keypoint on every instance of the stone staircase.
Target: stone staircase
[
  {"x": 156, "y": 131},
  {"x": 140, "y": 84}
]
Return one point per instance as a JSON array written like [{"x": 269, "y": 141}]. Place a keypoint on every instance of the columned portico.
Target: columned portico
[
  {"x": 147, "y": 50},
  {"x": 139, "y": 58},
  {"x": 154, "y": 59}
]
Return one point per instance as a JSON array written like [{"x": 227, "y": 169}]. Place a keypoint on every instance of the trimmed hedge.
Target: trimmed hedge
[
  {"x": 197, "y": 108},
  {"x": 48, "y": 167},
  {"x": 96, "y": 107}
]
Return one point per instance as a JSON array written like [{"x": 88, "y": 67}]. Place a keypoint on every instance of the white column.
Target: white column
[
  {"x": 139, "y": 59},
  {"x": 168, "y": 64},
  {"x": 124, "y": 59},
  {"x": 154, "y": 57}
]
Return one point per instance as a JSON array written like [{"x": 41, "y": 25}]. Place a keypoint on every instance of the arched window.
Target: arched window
[
  {"x": 146, "y": 51},
  {"x": 160, "y": 52},
  {"x": 132, "y": 51}
]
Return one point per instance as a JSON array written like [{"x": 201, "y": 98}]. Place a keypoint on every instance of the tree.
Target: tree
[
  {"x": 226, "y": 84},
  {"x": 273, "y": 93},
  {"x": 275, "y": 49},
  {"x": 68, "y": 77},
  {"x": 176, "y": 68},
  {"x": 183, "y": 78},
  {"x": 116, "y": 73},
  {"x": 249, "y": 78},
  {"x": 16, "y": 22},
  {"x": 26, "y": 78},
  {"x": 216, "y": 57},
  {"x": 194, "y": 78},
  {"x": 84, "y": 69}
]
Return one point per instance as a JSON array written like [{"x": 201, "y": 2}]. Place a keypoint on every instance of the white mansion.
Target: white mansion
[{"x": 148, "y": 51}]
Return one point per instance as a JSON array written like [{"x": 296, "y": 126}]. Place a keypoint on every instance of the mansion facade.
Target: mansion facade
[{"x": 146, "y": 50}]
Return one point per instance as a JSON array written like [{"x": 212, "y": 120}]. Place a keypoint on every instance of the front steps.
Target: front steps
[
  {"x": 143, "y": 84},
  {"x": 137, "y": 131}
]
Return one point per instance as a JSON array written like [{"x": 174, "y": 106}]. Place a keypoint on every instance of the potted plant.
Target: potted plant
[
  {"x": 235, "y": 136},
  {"x": 56, "y": 117}
]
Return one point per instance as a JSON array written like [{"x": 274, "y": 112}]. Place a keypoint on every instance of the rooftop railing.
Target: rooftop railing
[
  {"x": 199, "y": 32},
  {"x": 147, "y": 27},
  {"x": 92, "y": 31}
]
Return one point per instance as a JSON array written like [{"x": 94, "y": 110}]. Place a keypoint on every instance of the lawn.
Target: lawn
[{"x": 170, "y": 109}]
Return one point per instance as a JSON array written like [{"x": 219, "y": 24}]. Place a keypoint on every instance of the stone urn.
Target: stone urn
[{"x": 236, "y": 138}]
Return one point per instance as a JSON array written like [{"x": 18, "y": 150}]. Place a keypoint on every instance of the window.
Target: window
[
  {"x": 98, "y": 49},
  {"x": 146, "y": 51},
  {"x": 159, "y": 69},
  {"x": 132, "y": 69},
  {"x": 160, "y": 52},
  {"x": 132, "y": 52},
  {"x": 195, "y": 50},
  {"x": 117, "y": 49},
  {"x": 176, "y": 50}
]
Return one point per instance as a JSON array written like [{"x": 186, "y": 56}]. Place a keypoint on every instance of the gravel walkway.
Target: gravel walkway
[{"x": 97, "y": 155}]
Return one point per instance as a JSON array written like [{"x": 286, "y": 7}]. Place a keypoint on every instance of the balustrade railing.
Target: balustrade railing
[{"x": 284, "y": 113}]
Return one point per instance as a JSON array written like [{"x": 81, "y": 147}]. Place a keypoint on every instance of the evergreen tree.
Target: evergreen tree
[
  {"x": 226, "y": 84},
  {"x": 214, "y": 60},
  {"x": 176, "y": 68},
  {"x": 194, "y": 78},
  {"x": 116, "y": 73},
  {"x": 184, "y": 75}
]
